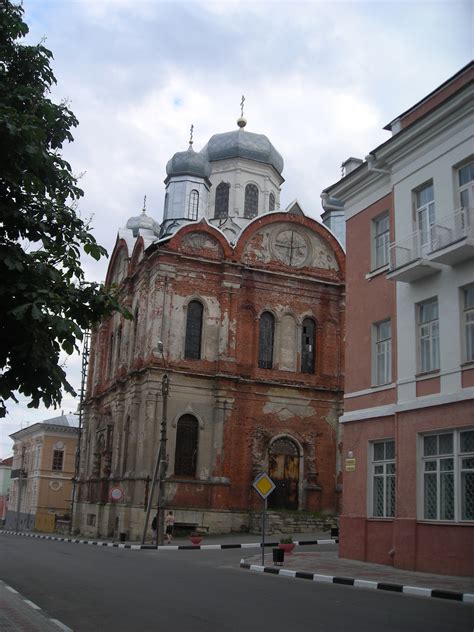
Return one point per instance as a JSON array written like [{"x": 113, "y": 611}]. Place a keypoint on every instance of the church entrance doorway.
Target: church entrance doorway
[{"x": 284, "y": 470}]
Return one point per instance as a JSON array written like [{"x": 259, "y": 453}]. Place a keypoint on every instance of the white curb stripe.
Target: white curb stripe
[
  {"x": 255, "y": 567},
  {"x": 468, "y": 598},
  {"x": 325, "y": 579},
  {"x": 417, "y": 590},
  {"x": 287, "y": 573},
  {"x": 211, "y": 546},
  {"x": 250, "y": 546},
  {"x": 365, "y": 583},
  {"x": 11, "y": 589},
  {"x": 31, "y": 604}
]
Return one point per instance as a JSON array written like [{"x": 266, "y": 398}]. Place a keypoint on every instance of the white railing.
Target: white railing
[
  {"x": 446, "y": 231},
  {"x": 452, "y": 228}
]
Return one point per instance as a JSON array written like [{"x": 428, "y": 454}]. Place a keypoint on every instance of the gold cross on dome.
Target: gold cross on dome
[
  {"x": 144, "y": 204},
  {"x": 242, "y": 106},
  {"x": 191, "y": 134}
]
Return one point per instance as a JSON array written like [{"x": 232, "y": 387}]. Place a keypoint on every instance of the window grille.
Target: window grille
[
  {"x": 383, "y": 479},
  {"x": 251, "y": 201},
  {"x": 192, "y": 347},
  {"x": 308, "y": 346},
  {"x": 266, "y": 337},
  {"x": 271, "y": 202},
  {"x": 58, "y": 459},
  {"x": 448, "y": 476},
  {"x": 193, "y": 206},
  {"x": 222, "y": 200},
  {"x": 186, "y": 446}
]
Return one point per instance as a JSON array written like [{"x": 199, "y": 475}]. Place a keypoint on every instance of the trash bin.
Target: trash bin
[
  {"x": 278, "y": 556},
  {"x": 334, "y": 532},
  {"x": 122, "y": 537}
]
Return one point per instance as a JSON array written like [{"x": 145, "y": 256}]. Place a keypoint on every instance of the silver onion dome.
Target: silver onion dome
[
  {"x": 242, "y": 144},
  {"x": 143, "y": 221},
  {"x": 188, "y": 163}
]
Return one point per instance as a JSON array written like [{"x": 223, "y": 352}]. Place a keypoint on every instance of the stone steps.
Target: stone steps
[{"x": 298, "y": 522}]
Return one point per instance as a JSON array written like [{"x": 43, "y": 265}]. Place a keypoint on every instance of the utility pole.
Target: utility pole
[
  {"x": 85, "y": 363},
  {"x": 161, "y": 463}
]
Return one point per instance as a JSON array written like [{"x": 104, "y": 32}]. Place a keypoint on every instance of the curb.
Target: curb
[
  {"x": 171, "y": 547},
  {"x": 362, "y": 583},
  {"x": 36, "y": 608}
]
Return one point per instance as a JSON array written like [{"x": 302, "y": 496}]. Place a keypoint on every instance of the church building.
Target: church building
[{"x": 241, "y": 302}]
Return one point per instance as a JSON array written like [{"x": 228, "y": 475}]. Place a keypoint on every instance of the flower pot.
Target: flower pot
[
  {"x": 288, "y": 547},
  {"x": 195, "y": 539}
]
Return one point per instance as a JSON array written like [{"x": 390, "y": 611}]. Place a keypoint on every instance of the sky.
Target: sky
[{"x": 320, "y": 79}]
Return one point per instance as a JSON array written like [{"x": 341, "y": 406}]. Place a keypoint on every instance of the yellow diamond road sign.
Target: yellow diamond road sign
[{"x": 264, "y": 485}]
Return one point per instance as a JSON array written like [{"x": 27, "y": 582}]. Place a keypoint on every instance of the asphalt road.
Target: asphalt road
[{"x": 99, "y": 589}]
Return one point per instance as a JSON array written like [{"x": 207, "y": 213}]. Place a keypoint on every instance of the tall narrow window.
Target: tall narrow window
[
  {"x": 251, "y": 201},
  {"x": 381, "y": 232},
  {"x": 186, "y": 446},
  {"x": 111, "y": 355},
  {"x": 192, "y": 345},
  {"x": 165, "y": 212},
  {"x": 222, "y": 200},
  {"x": 265, "y": 342},
  {"x": 135, "y": 331},
  {"x": 307, "y": 346},
  {"x": 383, "y": 479},
  {"x": 271, "y": 202},
  {"x": 382, "y": 353},
  {"x": 193, "y": 205},
  {"x": 469, "y": 322},
  {"x": 466, "y": 186},
  {"x": 428, "y": 335},
  {"x": 118, "y": 345},
  {"x": 58, "y": 460},
  {"x": 425, "y": 216},
  {"x": 126, "y": 434}
]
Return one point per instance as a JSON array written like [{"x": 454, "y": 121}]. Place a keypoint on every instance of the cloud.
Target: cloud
[{"x": 320, "y": 78}]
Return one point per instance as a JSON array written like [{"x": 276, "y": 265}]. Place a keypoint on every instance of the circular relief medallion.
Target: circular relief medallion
[
  {"x": 55, "y": 485},
  {"x": 291, "y": 248}
]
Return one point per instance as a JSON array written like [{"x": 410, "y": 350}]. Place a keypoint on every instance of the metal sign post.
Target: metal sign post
[{"x": 264, "y": 485}]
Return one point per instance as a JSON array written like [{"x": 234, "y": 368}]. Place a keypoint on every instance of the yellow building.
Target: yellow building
[{"x": 42, "y": 473}]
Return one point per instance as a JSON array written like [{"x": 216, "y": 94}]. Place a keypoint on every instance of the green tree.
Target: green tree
[{"x": 45, "y": 301}]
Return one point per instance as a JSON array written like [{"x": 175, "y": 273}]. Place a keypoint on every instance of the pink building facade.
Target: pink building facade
[{"x": 408, "y": 423}]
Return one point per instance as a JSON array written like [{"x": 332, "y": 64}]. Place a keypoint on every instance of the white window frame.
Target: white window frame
[
  {"x": 384, "y": 469},
  {"x": 380, "y": 241},
  {"x": 428, "y": 338},
  {"x": 425, "y": 218},
  {"x": 468, "y": 325},
  {"x": 381, "y": 348},
  {"x": 467, "y": 186},
  {"x": 463, "y": 462},
  {"x": 193, "y": 205}
]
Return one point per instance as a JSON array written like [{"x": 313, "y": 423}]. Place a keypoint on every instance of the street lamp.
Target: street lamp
[{"x": 161, "y": 462}]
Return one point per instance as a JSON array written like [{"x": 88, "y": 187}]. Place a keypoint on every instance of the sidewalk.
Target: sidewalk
[
  {"x": 18, "y": 614},
  {"x": 326, "y": 566}
]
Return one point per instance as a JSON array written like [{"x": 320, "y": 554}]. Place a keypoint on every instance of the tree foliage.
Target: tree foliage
[{"x": 45, "y": 301}]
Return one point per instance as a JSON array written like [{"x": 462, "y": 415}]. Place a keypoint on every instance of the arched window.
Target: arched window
[
  {"x": 111, "y": 355},
  {"x": 186, "y": 446},
  {"x": 251, "y": 201},
  {"x": 135, "y": 331},
  {"x": 265, "y": 341},
  {"x": 192, "y": 344},
  {"x": 307, "y": 346},
  {"x": 222, "y": 200},
  {"x": 193, "y": 205},
  {"x": 271, "y": 202},
  {"x": 118, "y": 347}
]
